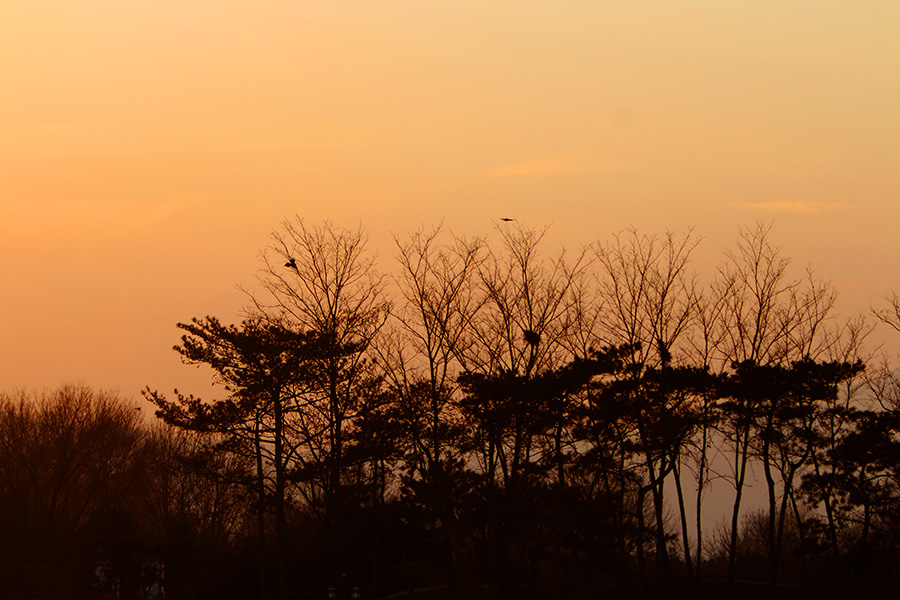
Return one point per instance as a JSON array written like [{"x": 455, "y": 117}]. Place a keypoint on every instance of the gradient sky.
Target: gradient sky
[{"x": 148, "y": 149}]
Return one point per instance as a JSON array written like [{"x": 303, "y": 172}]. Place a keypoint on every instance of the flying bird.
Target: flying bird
[
  {"x": 506, "y": 219},
  {"x": 291, "y": 264}
]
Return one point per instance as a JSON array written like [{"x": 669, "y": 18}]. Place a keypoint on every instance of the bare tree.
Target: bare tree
[
  {"x": 651, "y": 304},
  {"x": 525, "y": 312},
  {"x": 768, "y": 323},
  {"x": 755, "y": 291},
  {"x": 754, "y": 328},
  {"x": 706, "y": 338},
  {"x": 891, "y": 314},
  {"x": 439, "y": 298},
  {"x": 320, "y": 280},
  {"x": 437, "y": 284}
]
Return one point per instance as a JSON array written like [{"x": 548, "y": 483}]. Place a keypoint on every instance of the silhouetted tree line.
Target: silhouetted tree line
[
  {"x": 486, "y": 418},
  {"x": 85, "y": 481}
]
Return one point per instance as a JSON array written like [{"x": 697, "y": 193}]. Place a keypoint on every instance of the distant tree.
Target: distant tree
[
  {"x": 65, "y": 456},
  {"x": 195, "y": 491}
]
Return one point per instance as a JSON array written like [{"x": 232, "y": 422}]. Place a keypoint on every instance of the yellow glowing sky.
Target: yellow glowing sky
[{"x": 148, "y": 148}]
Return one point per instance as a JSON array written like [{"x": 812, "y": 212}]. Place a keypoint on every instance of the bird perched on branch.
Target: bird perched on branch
[
  {"x": 532, "y": 337},
  {"x": 292, "y": 264}
]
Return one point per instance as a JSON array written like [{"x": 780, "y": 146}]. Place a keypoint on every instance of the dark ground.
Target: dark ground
[{"x": 708, "y": 590}]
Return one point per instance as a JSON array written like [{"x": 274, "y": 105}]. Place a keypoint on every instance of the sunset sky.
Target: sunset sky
[{"x": 149, "y": 149}]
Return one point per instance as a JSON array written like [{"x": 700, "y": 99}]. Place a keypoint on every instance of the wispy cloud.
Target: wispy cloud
[
  {"x": 560, "y": 165},
  {"x": 795, "y": 206}
]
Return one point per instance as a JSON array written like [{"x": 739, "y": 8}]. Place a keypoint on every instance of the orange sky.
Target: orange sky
[{"x": 148, "y": 149}]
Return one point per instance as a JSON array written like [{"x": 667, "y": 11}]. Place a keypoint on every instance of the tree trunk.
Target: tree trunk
[
  {"x": 280, "y": 518},
  {"x": 686, "y": 542},
  {"x": 261, "y": 513},
  {"x": 770, "y": 489},
  {"x": 740, "y": 473},
  {"x": 701, "y": 483}
]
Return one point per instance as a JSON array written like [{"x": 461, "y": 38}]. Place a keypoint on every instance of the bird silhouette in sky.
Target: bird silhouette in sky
[
  {"x": 506, "y": 219},
  {"x": 291, "y": 264},
  {"x": 532, "y": 337}
]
